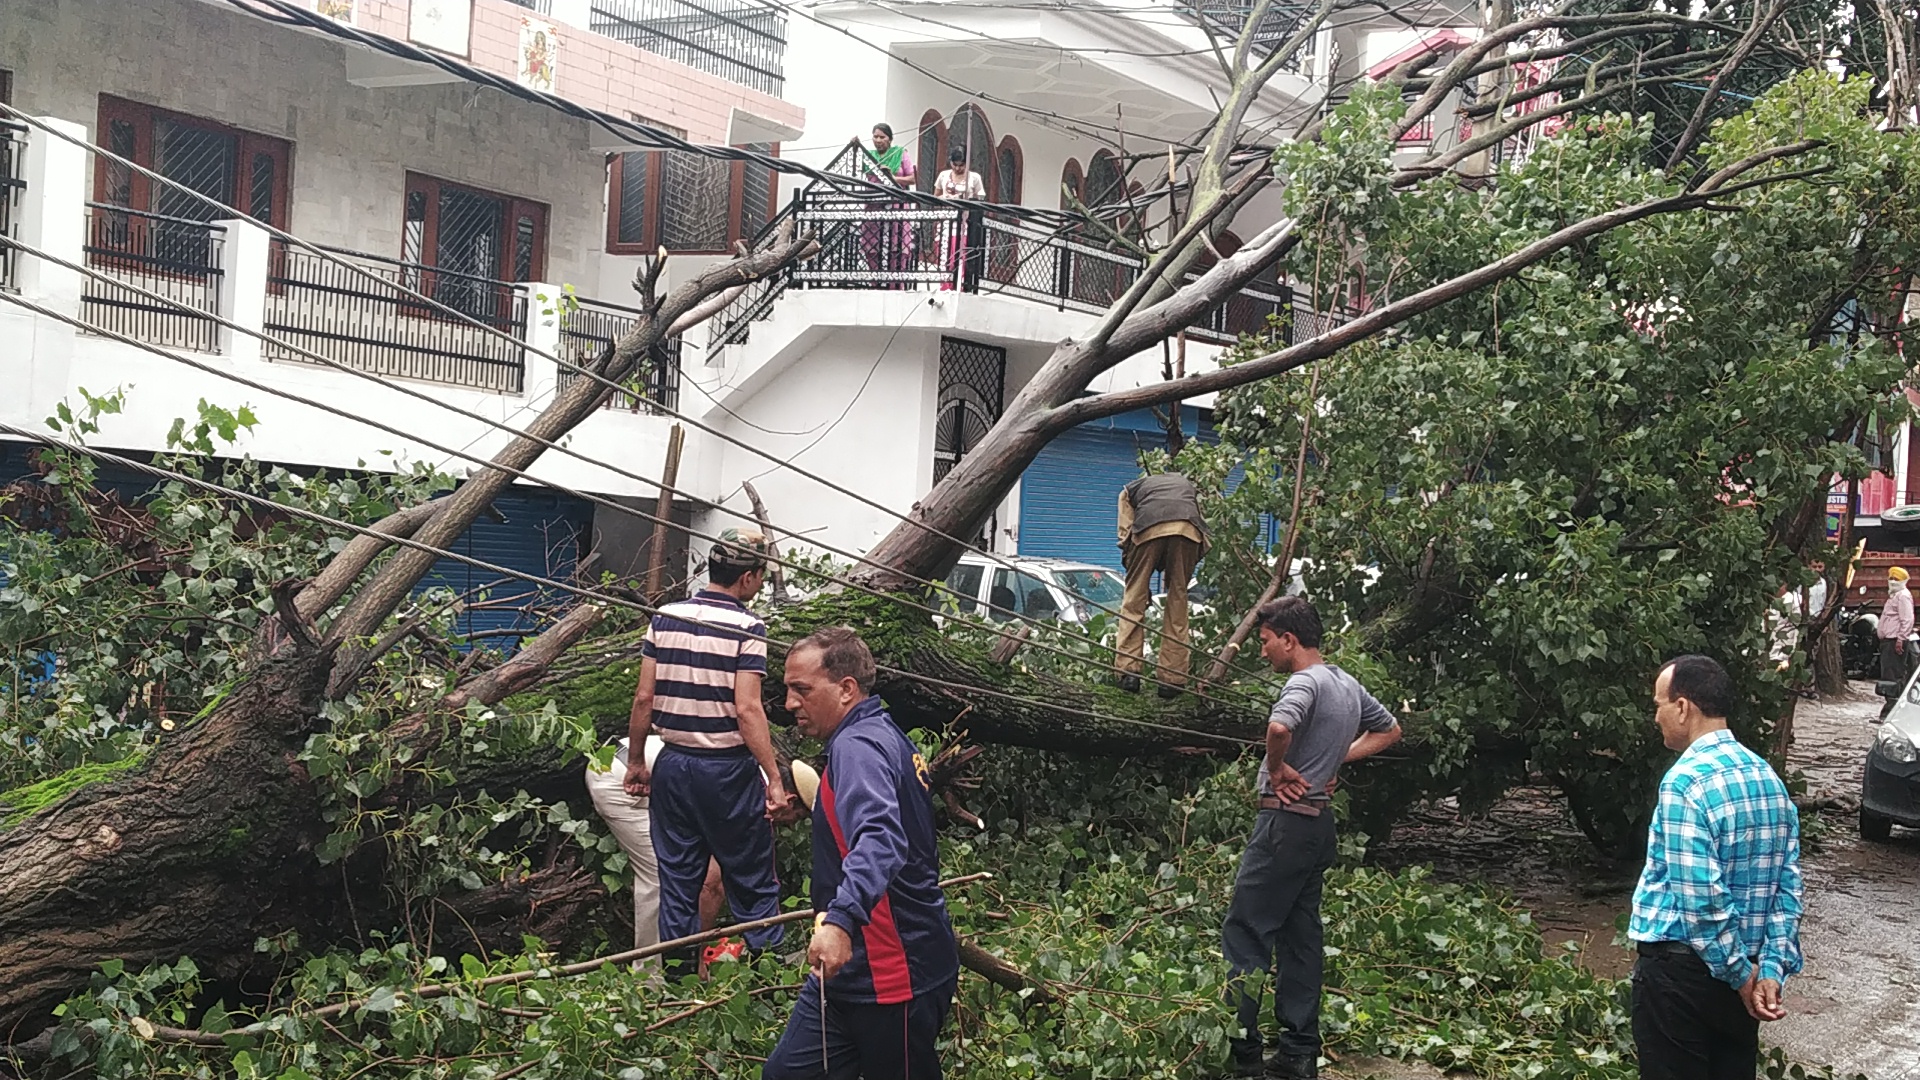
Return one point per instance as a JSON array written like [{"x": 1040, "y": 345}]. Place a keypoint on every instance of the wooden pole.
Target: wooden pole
[
  {"x": 662, "y": 513},
  {"x": 776, "y": 574}
]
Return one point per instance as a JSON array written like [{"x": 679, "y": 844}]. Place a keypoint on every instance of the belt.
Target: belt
[
  {"x": 1305, "y": 807},
  {"x": 1673, "y": 948}
]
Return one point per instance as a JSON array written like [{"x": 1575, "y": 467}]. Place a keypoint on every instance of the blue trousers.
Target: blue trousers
[
  {"x": 860, "y": 1042},
  {"x": 713, "y": 804}
]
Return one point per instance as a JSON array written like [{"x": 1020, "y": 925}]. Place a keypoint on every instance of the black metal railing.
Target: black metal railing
[
  {"x": 739, "y": 40},
  {"x": 588, "y": 328},
  {"x": 177, "y": 258},
  {"x": 13, "y": 188},
  {"x": 868, "y": 241},
  {"x": 320, "y": 306}
]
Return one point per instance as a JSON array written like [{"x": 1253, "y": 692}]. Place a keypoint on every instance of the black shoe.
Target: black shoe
[
  {"x": 1292, "y": 1067},
  {"x": 1168, "y": 693},
  {"x": 1129, "y": 682},
  {"x": 1245, "y": 1067}
]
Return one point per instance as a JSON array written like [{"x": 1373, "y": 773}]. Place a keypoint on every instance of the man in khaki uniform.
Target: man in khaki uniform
[{"x": 1160, "y": 529}]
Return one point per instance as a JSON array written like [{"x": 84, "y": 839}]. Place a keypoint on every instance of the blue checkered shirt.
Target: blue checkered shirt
[{"x": 1723, "y": 863}]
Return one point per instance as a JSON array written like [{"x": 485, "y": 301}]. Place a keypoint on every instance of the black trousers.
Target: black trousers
[
  {"x": 1273, "y": 925},
  {"x": 860, "y": 1042},
  {"x": 1895, "y": 666},
  {"x": 1688, "y": 1025}
]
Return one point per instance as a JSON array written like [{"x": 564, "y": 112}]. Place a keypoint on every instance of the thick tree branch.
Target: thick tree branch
[
  {"x": 1380, "y": 319},
  {"x": 1741, "y": 51},
  {"x": 378, "y": 598}
]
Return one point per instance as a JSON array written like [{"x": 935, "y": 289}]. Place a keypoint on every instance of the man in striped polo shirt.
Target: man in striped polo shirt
[{"x": 715, "y": 789}]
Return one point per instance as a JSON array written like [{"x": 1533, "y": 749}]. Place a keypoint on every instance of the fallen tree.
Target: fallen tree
[{"x": 284, "y": 804}]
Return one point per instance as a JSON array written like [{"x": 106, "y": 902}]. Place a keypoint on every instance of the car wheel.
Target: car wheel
[{"x": 1875, "y": 827}]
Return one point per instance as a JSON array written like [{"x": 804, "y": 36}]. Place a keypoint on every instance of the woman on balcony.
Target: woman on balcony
[
  {"x": 888, "y": 246},
  {"x": 963, "y": 235}
]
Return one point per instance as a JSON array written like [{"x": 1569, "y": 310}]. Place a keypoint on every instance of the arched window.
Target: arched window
[
  {"x": 970, "y": 132},
  {"x": 1007, "y": 169},
  {"x": 1105, "y": 181},
  {"x": 932, "y": 156},
  {"x": 1073, "y": 184},
  {"x": 1246, "y": 311}
]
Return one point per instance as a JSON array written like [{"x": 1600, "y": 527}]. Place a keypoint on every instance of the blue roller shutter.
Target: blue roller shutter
[
  {"x": 532, "y": 531},
  {"x": 1069, "y": 496}
]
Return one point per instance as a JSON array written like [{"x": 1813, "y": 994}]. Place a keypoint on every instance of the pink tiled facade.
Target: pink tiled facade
[{"x": 599, "y": 72}]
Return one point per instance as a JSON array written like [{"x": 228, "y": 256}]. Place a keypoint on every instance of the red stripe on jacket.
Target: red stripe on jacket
[{"x": 886, "y": 953}]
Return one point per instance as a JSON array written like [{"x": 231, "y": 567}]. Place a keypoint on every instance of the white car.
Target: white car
[{"x": 1059, "y": 589}]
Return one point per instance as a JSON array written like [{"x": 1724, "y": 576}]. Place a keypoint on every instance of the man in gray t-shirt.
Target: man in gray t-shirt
[{"x": 1324, "y": 718}]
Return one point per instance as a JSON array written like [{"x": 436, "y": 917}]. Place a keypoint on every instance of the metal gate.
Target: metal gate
[{"x": 973, "y": 380}]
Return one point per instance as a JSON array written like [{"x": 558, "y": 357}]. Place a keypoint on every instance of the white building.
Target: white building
[{"x": 877, "y": 363}]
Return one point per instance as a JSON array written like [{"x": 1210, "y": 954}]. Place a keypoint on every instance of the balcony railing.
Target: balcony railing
[
  {"x": 872, "y": 243},
  {"x": 323, "y": 307},
  {"x": 588, "y": 328},
  {"x": 13, "y": 186},
  {"x": 741, "y": 41},
  {"x": 177, "y": 258}
]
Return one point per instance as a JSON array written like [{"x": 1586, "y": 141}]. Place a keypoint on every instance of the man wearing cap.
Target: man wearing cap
[
  {"x": 715, "y": 790},
  {"x": 1896, "y": 623},
  {"x": 882, "y": 962}
]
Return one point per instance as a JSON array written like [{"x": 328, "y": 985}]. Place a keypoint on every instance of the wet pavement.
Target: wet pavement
[{"x": 1856, "y": 1007}]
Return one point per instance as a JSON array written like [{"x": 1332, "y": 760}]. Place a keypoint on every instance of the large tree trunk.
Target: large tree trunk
[{"x": 195, "y": 854}]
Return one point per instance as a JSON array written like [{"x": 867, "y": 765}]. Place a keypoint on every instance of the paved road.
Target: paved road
[
  {"x": 1856, "y": 1007},
  {"x": 1857, "y": 1004}
]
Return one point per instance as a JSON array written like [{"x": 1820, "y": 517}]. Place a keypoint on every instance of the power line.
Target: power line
[
  {"x": 584, "y": 593},
  {"x": 519, "y": 474},
  {"x": 493, "y": 331}
]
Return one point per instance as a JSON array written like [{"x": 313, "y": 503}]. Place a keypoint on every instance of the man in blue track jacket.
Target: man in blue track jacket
[{"x": 883, "y": 957}]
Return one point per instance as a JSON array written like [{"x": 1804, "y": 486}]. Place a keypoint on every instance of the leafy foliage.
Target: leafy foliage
[
  {"x": 1558, "y": 484},
  {"x": 1111, "y": 888}
]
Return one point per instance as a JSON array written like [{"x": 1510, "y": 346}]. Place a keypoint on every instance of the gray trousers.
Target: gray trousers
[{"x": 1273, "y": 925}]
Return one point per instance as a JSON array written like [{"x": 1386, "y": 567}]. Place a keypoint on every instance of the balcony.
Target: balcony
[
  {"x": 347, "y": 306},
  {"x": 589, "y": 328},
  {"x": 738, "y": 40},
  {"x": 869, "y": 242},
  {"x": 177, "y": 259}
]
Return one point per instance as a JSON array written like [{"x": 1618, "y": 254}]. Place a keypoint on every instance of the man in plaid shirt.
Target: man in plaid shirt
[{"x": 1717, "y": 911}]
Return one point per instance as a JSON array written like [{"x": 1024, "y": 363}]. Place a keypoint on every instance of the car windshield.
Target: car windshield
[{"x": 1103, "y": 587}]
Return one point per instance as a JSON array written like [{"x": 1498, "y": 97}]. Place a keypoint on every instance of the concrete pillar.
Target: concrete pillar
[
  {"x": 244, "y": 254},
  {"x": 53, "y": 215},
  {"x": 544, "y": 301}
]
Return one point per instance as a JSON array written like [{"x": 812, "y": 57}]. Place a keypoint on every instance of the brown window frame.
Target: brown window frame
[
  {"x": 248, "y": 147},
  {"x": 514, "y": 206},
  {"x": 652, "y": 193}
]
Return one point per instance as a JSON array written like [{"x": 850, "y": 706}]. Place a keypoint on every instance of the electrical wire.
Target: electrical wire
[
  {"x": 576, "y": 590},
  {"x": 489, "y": 330},
  {"x": 519, "y": 474}
]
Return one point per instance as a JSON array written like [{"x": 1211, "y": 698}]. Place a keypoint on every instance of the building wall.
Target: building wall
[
  {"x": 597, "y": 71},
  {"x": 857, "y": 408},
  {"x": 352, "y": 146}
]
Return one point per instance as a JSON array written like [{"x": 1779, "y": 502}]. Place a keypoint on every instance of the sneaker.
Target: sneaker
[
  {"x": 1129, "y": 682},
  {"x": 724, "y": 951}
]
